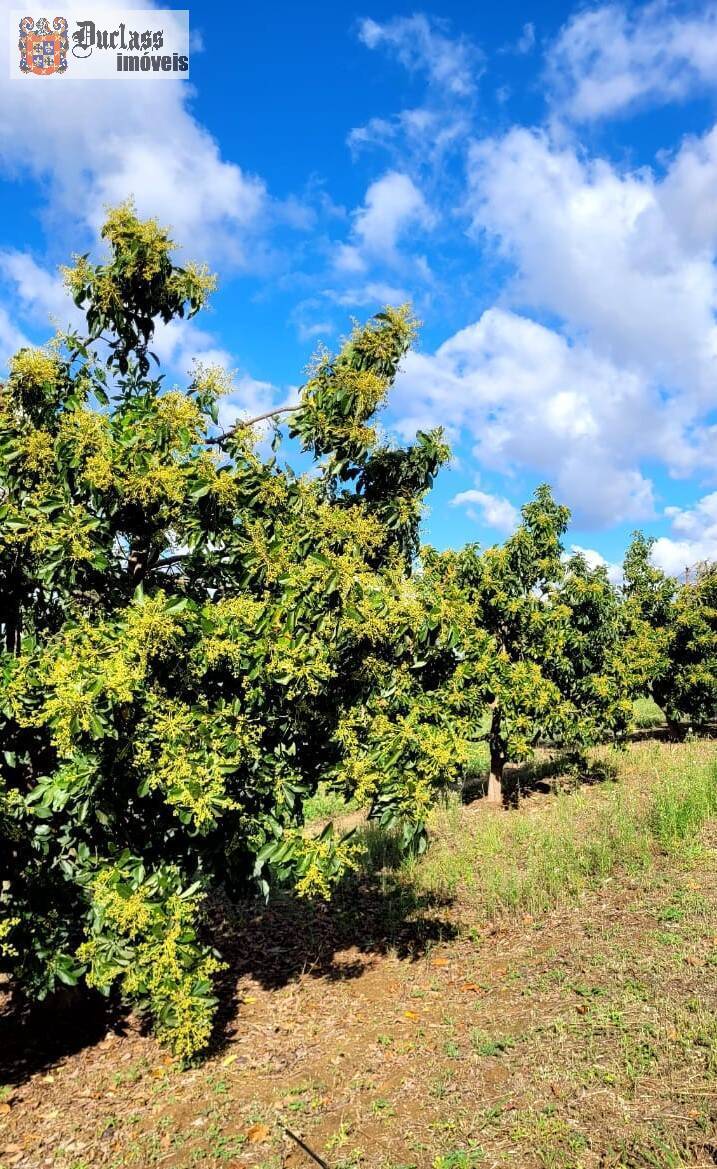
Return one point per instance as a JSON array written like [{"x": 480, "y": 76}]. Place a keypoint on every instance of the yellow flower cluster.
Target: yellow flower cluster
[
  {"x": 162, "y": 971},
  {"x": 182, "y": 755},
  {"x": 150, "y": 242},
  {"x": 38, "y": 451},
  {"x": 87, "y": 435},
  {"x": 7, "y": 925},
  {"x": 212, "y": 381},
  {"x": 177, "y": 412},
  {"x": 92, "y": 665},
  {"x": 77, "y": 277},
  {"x": 162, "y": 484},
  {"x": 194, "y": 282},
  {"x": 31, "y": 372},
  {"x": 323, "y": 861},
  {"x": 234, "y": 623},
  {"x": 226, "y": 488}
]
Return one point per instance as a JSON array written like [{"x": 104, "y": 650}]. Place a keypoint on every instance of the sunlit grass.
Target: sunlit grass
[
  {"x": 646, "y": 714},
  {"x": 553, "y": 850}
]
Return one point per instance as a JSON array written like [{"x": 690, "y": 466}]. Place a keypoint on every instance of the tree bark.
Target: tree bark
[
  {"x": 494, "y": 795},
  {"x": 677, "y": 731}
]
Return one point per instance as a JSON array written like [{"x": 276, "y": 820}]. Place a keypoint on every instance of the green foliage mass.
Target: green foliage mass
[
  {"x": 539, "y": 638},
  {"x": 671, "y": 637},
  {"x": 194, "y": 638}
]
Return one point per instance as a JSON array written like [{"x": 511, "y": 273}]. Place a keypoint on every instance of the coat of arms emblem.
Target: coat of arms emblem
[{"x": 43, "y": 50}]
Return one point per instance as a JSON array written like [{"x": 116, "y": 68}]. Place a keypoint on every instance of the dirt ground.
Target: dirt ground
[{"x": 392, "y": 1030}]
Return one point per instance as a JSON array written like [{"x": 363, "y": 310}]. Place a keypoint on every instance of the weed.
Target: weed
[
  {"x": 460, "y": 1158},
  {"x": 485, "y": 1044},
  {"x": 537, "y": 859},
  {"x": 383, "y": 1108}
]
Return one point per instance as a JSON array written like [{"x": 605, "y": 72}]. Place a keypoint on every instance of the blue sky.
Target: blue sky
[{"x": 540, "y": 181}]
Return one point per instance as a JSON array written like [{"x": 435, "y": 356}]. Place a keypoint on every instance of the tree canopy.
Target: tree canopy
[
  {"x": 671, "y": 636},
  {"x": 195, "y": 637},
  {"x": 539, "y": 636}
]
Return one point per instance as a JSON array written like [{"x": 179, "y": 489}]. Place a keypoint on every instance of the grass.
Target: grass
[
  {"x": 565, "y": 846},
  {"x": 327, "y": 804},
  {"x": 647, "y": 714}
]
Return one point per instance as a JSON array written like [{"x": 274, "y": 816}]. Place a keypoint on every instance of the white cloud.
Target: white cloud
[
  {"x": 452, "y": 64},
  {"x": 596, "y": 560},
  {"x": 179, "y": 343},
  {"x": 530, "y": 400},
  {"x": 526, "y": 40},
  {"x": 11, "y": 338},
  {"x": 694, "y": 540},
  {"x": 392, "y": 205},
  {"x": 492, "y": 510},
  {"x": 618, "y": 257},
  {"x": 372, "y": 293},
  {"x": 96, "y": 143},
  {"x": 40, "y": 292},
  {"x": 249, "y": 398},
  {"x": 421, "y": 136},
  {"x": 608, "y": 60},
  {"x": 420, "y": 139}
]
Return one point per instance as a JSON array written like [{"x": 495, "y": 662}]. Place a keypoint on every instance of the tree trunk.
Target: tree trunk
[
  {"x": 677, "y": 731},
  {"x": 494, "y": 795}
]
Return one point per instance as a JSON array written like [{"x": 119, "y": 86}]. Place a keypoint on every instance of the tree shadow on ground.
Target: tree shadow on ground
[
  {"x": 541, "y": 776},
  {"x": 372, "y": 913},
  {"x": 34, "y": 1037},
  {"x": 664, "y": 734}
]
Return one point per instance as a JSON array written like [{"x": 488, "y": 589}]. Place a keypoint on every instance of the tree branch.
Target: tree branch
[
  {"x": 169, "y": 560},
  {"x": 252, "y": 421}
]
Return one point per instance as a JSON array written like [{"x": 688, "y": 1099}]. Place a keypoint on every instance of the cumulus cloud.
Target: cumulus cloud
[
  {"x": 611, "y": 254},
  {"x": 526, "y": 40},
  {"x": 610, "y": 59},
  {"x": 492, "y": 510},
  {"x": 39, "y": 291},
  {"x": 12, "y": 338},
  {"x": 392, "y": 205},
  {"x": 694, "y": 538},
  {"x": 531, "y": 400},
  {"x": 422, "y": 138},
  {"x": 597, "y": 560},
  {"x": 93, "y": 144}
]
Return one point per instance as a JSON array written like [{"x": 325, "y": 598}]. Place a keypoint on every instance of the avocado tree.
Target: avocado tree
[
  {"x": 671, "y": 637},
  {"x": 538, "y": 640},
  {"x": 194, "y": 636}
]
